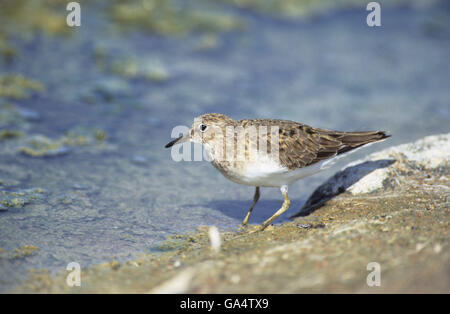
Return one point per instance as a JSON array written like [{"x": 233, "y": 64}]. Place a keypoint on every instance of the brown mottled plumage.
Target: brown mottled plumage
[
  {"x": 302, "y": 150},
  {"x": 301, "y": 145}
]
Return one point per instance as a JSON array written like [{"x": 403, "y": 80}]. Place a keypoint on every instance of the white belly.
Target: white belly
[
  {"x": 266, "y": 172},
  {"x": 275, "y": 175}
]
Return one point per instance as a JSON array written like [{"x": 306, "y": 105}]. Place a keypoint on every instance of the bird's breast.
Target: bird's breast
[{"x": 260, "y": 172}]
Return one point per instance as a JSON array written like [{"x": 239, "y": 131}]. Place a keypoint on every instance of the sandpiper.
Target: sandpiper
[{"x": 271, "y": 152}]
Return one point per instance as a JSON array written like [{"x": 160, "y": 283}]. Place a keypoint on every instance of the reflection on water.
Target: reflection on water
[{"x": 84, "y": 176}]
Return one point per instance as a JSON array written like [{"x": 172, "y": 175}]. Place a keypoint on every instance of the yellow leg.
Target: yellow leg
[
  {"x": 284, "y": 207},
  {"x": 255, "y": 199}
]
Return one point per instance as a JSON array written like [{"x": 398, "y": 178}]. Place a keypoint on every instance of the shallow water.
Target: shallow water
[{"x": 119, "y": 198}]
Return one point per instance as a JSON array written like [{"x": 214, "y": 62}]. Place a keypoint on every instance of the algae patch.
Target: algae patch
[
  {"x": 48, "y": 16},
  {"x": 41, "y": 146},
  {"x": 171, "y": 17},
  {"x": 7, "y": 51},
  {"x": 18, "y": 253},
  {"x": 17, "y": 86},
  {"x": 25, "y": 250},
  {"x": 300, "y": 8},
  {"x": 131, "y": 67},
  {"x": 9, "y": 134},
  {"x": 22, "y": 19},
  {"x": 19, "y": 198}
]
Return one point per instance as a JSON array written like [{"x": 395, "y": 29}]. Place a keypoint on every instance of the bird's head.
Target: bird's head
[{"x": 208, "y": 129}]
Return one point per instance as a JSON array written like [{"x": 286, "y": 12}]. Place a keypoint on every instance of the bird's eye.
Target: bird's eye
[{"x": 203, "y": 127}]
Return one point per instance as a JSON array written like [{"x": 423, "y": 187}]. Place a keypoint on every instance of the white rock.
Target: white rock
[
  {"x": 371, "y": 182},
  {"x": 430, "y": 152},
  {"x": 369, "y": 174}
]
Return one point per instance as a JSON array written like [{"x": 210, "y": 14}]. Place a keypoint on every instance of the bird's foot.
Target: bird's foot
[
  {"x": 260, "y": 228},
  {"x": 249, "y": 228}
]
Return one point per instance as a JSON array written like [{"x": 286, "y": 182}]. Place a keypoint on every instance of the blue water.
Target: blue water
[{"x": 331, "y": 71}]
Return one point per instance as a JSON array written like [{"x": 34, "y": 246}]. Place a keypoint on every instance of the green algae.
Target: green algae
[
  {"x": 10, "y": 134},
  {"x": 7, "y": 51},
  {"x": 101, "y": 136},
  {"x": 42, "y": 146},
  {"x": 299, "y": 8},
  {"x": 65, "y": 200},
  {"x": 81, "y": 136},
  {"x": 23, "y": 19},
  {"x": 291, "y": 8},
  {"x": 170, "y": 18},
  {"x": 19, "y": 198},
  {"x": 132, "y": 68},
  {"x": 18, "y": 253},
  {"x": 8, "y": 182},
  {"x": 48, "y": 16},
  {"x": 25, "y": 250},
  {"x": 17, "y": 86},
  {"x": 126, "y": 67}
]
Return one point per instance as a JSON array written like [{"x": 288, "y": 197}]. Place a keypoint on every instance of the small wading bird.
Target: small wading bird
[{"x": 296, "y": 151}]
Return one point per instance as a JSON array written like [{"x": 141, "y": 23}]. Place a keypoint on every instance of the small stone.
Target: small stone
[
  {"x": 420, "y": 246},
  {"x": 235, "y": 279},
  {"x": 437, "y": 248},
  {"x": 114, "y": 265}
]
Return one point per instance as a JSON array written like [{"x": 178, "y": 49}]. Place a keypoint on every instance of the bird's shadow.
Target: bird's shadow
[
  {"x": 265, "y": 208},
  {"x": 339, "y": 183}
]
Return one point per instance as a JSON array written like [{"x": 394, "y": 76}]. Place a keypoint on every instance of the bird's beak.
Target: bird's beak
[{"x": 181, "y": 139}]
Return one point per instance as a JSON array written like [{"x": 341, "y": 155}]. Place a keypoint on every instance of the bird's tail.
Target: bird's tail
[{"x": 352, "y": 140}]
